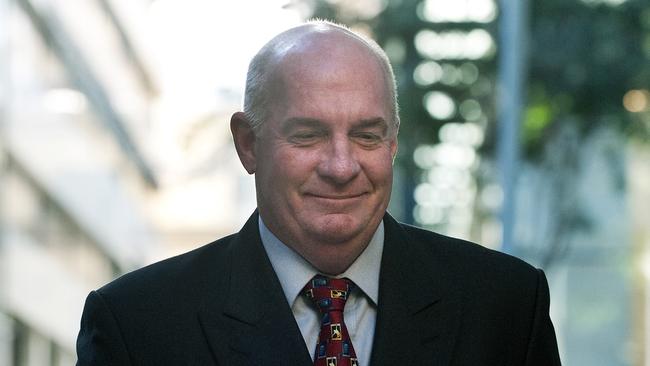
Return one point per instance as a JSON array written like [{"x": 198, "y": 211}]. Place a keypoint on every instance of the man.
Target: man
[{"x": 321, "y": 274}]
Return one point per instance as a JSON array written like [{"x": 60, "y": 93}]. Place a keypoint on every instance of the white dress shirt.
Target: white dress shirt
[{"x": 360, "y": 312}]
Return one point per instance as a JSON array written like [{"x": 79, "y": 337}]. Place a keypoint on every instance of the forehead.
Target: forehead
[
  {"x": 330, "y": 54},
  {"x": 331, "y": 74}
]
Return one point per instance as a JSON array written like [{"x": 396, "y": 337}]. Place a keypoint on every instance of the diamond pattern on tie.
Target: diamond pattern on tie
[{"x": 334, "y": 347}]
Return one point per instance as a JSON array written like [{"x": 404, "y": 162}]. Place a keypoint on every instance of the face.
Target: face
[{"x": 323, "y": 161}]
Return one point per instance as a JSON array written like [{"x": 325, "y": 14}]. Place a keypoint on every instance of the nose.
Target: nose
[{"x": 339, "y": 164}]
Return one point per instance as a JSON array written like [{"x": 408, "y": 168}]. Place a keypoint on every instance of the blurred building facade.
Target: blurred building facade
[
  {"x": 115, "y": 150},
  {"x": 74, "y": 183}
]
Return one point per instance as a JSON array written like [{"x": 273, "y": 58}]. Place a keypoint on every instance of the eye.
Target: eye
[
  {"x": 305, "y": 137},
  {"x": 367, "y": 138}
]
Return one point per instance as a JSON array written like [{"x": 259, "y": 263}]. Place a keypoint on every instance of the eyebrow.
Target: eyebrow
[
  {"x": 292, "y": 123},
  {"x": 373, "y": 122}
]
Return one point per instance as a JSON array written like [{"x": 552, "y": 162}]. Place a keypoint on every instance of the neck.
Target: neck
[
  {"x": 335, "y": 260},
  {"x": 328, "y": 257}
]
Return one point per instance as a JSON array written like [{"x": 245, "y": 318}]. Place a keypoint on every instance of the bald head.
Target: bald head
[{"x": 319, "y": 45}]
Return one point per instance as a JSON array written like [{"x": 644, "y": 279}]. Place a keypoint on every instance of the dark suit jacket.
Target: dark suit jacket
[{"x": 442, "y": 301}]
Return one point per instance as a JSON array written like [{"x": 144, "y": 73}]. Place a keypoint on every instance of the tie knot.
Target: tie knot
[{"x": 329, "y": 294}]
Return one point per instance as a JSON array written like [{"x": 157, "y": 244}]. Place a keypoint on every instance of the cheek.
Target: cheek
[
  {"x": 294, "y": 167},
  {"x": 379, "y": 168}
]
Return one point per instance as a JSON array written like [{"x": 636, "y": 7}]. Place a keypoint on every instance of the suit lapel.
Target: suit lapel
[
  {"x": 251, "y": 323},
  {"x": 419, "y": 309}
]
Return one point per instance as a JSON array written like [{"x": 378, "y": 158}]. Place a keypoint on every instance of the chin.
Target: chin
[{"x": 338, "y": 228}]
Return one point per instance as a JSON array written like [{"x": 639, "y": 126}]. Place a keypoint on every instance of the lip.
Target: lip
[{"x": 336, "y": 197}]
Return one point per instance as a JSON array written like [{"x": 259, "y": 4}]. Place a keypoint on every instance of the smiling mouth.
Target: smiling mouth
[{"x": 336, "y": 197}]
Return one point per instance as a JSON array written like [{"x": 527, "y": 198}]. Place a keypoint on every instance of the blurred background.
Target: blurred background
[{"x": 525, "y": 127}]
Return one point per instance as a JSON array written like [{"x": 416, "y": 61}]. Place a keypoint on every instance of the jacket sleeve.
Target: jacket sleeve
[
  {"x": 100, "y": 340},
  {"x": 542, "y": 346}
]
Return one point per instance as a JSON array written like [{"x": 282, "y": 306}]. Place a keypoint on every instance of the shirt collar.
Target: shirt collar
[{"x": 294, "y": 271}]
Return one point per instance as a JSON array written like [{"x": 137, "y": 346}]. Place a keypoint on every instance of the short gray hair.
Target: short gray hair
[{"x": 257, "y": 97}]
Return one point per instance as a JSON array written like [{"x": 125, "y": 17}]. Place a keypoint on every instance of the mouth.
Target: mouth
[{"x": 336, "y": 197}]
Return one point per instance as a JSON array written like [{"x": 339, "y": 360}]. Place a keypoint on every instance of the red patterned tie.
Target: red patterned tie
[{"x": 334, "y": 347}]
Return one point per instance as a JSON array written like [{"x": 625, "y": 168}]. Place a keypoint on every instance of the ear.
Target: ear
[{"x": 244, "y": 138}]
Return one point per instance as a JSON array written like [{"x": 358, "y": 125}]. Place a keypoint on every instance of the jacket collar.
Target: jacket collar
[{"x": 249, "y": 322}]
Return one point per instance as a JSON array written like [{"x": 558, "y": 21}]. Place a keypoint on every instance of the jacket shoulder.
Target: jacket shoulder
[
  {"x": 460, "y": 249},
  {"x": 183, "y": 275},
  {"x": 473, "y": 265}
]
